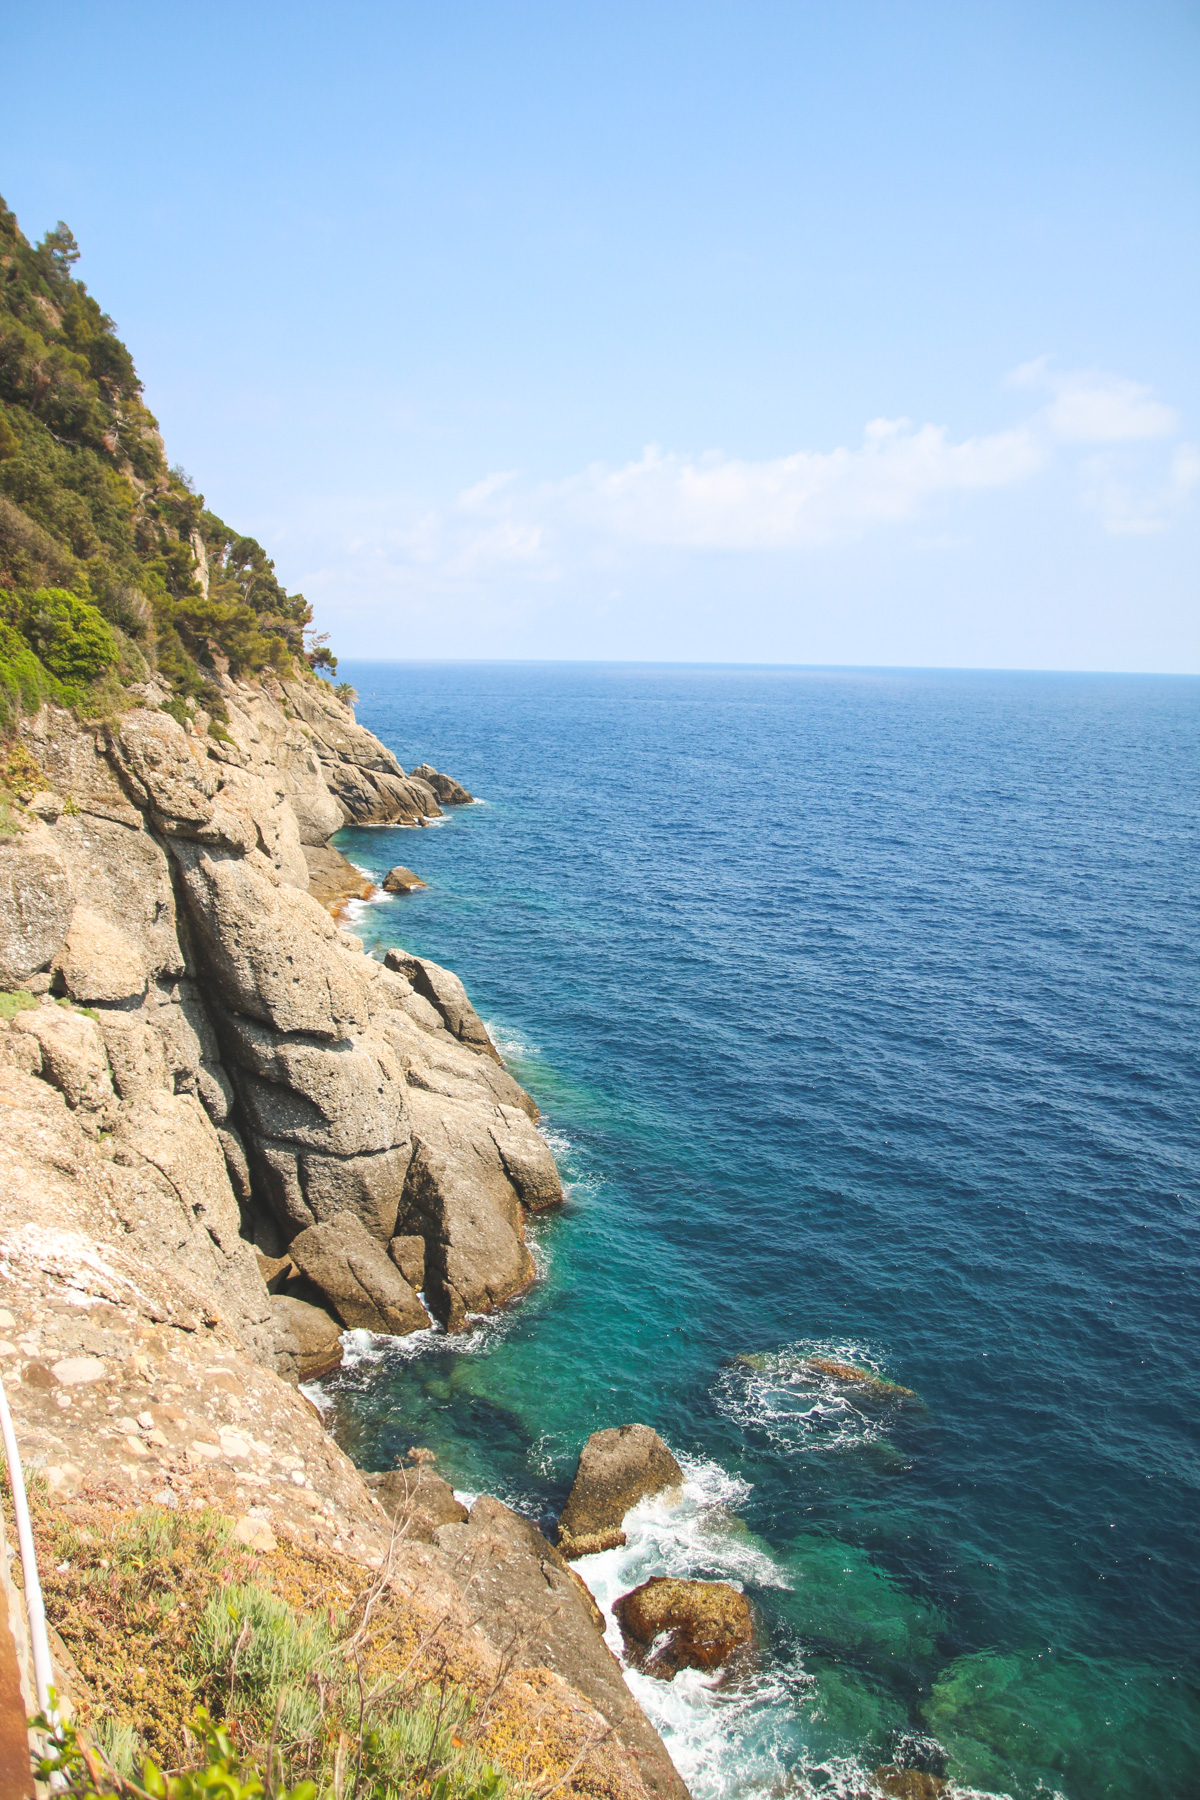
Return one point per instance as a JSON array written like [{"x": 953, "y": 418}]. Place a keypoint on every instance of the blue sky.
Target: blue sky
[{"x": 857, "y": 333}]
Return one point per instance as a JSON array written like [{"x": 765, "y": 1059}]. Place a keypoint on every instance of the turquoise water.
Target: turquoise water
[{"x": 862, "y": 1009}]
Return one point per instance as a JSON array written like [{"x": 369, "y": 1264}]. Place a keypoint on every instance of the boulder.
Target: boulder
[
  {"x": 74, "y": 1059},
  {"x": 318, "y": 1337},
  {"x": 447, "y": 790},
  {"x": 364, "y": 1287},
  {"x": 408, "y": 1254},
  {"x": 36, "y": 903},
  {"x": 444, "y": 991},
  {"x": 124, "y": 878},
  {"x": 418, "y": 1499},
  {"x": 617, "y": 1468},
  {"x": 98, "y": 963},
  {"x": 670, "y": 1625},
  {"x": 459, "y": 1199},
  {"x": 270, "y": 951},
  {"x": 535, "y": 1610},
  {"x": 402, "y": 881}
]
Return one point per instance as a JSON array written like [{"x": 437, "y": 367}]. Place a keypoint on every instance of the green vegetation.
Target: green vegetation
[{"x": 110, "y": 564}]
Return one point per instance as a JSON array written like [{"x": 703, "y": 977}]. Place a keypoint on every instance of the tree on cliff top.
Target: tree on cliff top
[{"x": 89, "y": 507}]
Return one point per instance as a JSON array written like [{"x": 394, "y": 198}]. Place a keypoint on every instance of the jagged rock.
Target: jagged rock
[
  {"x": 348, "y": 1098},
  {"x": 530, "y": 1603},
  {"x": 318, "y": 1337},
  {"x": 124, "y": 877},
  {"x": 98, "y": 964},
  {"x": 444, "y": 991},
  {"x": 363, "y": 776},
  {"x": 447, "y": 790},
  {"x": 36, "y": 903},
  {"x": 527, "y": 1160},
  {"x": 616, "y": 1469},
  {"x": 459, "y": 1198},
  {"x": 408, "y": 1254},
  {"x": 136, "y": 1054},
  {"x": 74, "y": 1059},
  {"x": 418, "y": 1499},
  {"x": 74, "y": 763},
  {"x": 363, "y": 1286},
  {"x": 331, "y": 879},
  {"x": 701, "y": 1625},
  {"x": 306, "y": 1188},
  {"x": 271, "y": 951},
  {"x": 402, "y": 881}
]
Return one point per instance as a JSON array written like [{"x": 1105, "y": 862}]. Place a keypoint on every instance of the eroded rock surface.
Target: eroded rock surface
[
  {"x": 670, "y": 1625},
  {"x": 447, "y": 790},
  {"x": 617, "y": 1468},
  {"x": 357, "y": 1277}
]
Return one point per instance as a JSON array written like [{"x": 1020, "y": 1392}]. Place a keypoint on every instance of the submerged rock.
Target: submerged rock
[
  {"x": 856, "y": 1376},
  {"x": 686, "y": 1624},
  {"x": 402, "y": 881},
  {"x": 617, "y": 1468},
  {"x": 910, "y": 1784}
]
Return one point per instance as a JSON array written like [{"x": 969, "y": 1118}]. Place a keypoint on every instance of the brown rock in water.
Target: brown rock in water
[
  {"x": 418, "y": 1499},
  {"x": 706, "y": 1623},
  {"x": 318, "y": 1337},
  {"x": 331, "y": 879},
  {"x": 910, "y": 1784},
  {"x": 617, "y": 1468},
  {"x": 865, "y": 1378},
  {"x": 402, "y": 881},
  {"x": 448, "y": 791},
  {"x": 355, "y": 1274}
]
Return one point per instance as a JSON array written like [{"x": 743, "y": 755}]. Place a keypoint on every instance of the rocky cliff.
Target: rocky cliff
[{"x": 208, "y": 1087}]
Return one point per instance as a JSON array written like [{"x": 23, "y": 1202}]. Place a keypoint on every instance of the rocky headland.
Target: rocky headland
[{"x": 229, "y": 1134}]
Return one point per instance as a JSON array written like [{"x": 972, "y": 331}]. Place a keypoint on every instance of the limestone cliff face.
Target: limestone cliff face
[{"x": 272, "y": 1076}]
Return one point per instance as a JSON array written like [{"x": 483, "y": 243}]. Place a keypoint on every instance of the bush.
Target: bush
[{"x": 72, "y": 638}]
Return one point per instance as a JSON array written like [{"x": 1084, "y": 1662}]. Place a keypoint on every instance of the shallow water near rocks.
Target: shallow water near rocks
[{"x": 862, "y": 1010}]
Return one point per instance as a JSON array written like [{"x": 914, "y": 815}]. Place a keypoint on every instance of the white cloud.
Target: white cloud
[
  {"x": 1091, "y": 406},
  {"x": 508, "y": 533},
  {"x": 716, "y": 502}
]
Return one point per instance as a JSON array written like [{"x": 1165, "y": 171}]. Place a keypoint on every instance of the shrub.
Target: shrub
[{"x": 72, "y": 638}]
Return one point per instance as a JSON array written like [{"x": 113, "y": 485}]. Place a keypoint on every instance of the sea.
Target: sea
[{"x": 861, "y": 1007}]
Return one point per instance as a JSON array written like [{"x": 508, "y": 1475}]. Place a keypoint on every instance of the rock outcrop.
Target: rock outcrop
[
  {"x": 670, "y": 1625},
  {"x": 617, "y": 1468},
  {"x": 447, "y": 790},
  {"x": 357, "y": 1277},
  {"x": 164, "y": 884},
  {"x": 209, "y": 1088},
  {"x": 402, "y": 881}
]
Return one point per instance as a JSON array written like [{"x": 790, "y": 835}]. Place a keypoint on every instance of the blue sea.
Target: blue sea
[{"x": 862, "y": 1009}]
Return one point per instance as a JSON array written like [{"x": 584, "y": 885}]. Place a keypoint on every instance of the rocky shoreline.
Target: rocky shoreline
[{"x": 230, "y": 1134}]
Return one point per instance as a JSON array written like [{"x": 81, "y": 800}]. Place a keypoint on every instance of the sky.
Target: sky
[{"x": 861, "y": 333}]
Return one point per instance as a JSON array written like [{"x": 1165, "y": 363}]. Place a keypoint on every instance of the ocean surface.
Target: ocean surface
[{"x": 862, "y": 1009}]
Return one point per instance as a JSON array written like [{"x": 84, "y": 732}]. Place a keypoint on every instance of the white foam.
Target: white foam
[
  {"x": 735, "y": 1738},
  {"x": 799, "y": 1408}
]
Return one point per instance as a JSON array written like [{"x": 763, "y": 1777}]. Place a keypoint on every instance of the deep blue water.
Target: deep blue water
[{"x": 862, "y": 1010}]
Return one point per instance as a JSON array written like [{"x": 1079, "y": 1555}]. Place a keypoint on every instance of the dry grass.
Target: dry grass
[{"x": 320, "y": 1665}]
